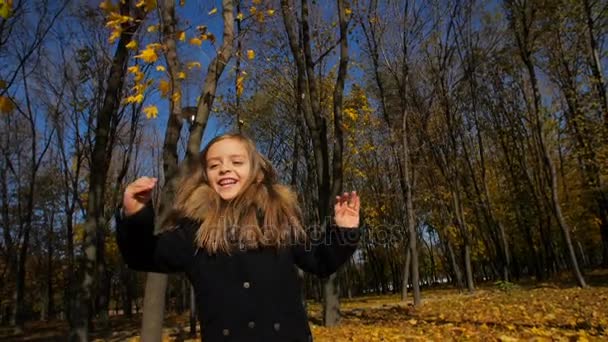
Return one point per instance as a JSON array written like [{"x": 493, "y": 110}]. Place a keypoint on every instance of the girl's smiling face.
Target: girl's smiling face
[{"x": 228, "y": 167}]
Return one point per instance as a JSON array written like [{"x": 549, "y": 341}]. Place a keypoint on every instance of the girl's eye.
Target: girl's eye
[
  {"x": 211, "y": 167},
  {"x": 238, "y": 163}
]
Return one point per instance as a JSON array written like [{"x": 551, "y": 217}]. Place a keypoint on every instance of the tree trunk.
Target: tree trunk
[
  {"x": 154, "y": 307},
  {"x": 406, "y": 273},
  {"x": 596, "y": 68},
  {"x": 79, "y": 323},
  {"x": 455, "y": 266},
  {"x": 409, "y": 211},
  {"x": 50, "y": 304},
  {"x": 520, "y": 24},
  {"x": 317, "y": 125},
  {"x": 156, "y": 284}
]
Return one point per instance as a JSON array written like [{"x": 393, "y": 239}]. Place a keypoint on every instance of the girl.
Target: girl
[{"x": 237, "y": 235}]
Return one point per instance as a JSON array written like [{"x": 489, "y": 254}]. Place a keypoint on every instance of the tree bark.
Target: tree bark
[
  {"x": 521, "y": 19},
  {"x": 154, "y": 310},
  {"x": 79, "y": 323}
]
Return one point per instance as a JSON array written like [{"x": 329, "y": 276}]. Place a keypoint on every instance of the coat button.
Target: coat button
[
  {"x": 251, "y": 324},
  {"x": 246, "y": 285},
  {"x": 225, "y": 332},
  {"x": 277, "y": 326}
]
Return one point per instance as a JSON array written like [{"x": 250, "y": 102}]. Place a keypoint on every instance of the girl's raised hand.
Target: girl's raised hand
[
  {"x": 347, "y": 210},
  {"x": 137, "y": 194}
]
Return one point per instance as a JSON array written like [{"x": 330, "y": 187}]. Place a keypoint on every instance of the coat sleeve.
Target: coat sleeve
[
  {"x": 168, "y": 252},
  {"x": 323, "y": 257}
]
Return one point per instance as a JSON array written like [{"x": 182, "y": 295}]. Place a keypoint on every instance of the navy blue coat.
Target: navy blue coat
[{"x": 251, "y": 295}]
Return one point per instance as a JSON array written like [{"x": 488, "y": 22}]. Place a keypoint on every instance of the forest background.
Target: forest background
[{"x": 475, "y": 131}]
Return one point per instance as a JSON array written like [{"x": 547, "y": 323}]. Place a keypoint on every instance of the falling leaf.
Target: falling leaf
[
  {"x": 348, "y": 11},
  {"x": 259, "y": 16},
  {"x": 114, "y": 35},
  {"x": 164, "y": 87},
  {"x": 253, "y": 9},
  {"x": 107, "y": 6},
  {"x": 239, "y": 85},
  {"x": 152, "y": 28},
  {"x": 181, "y": 75},
  {"x": 148, "y": 55},
  {"x": 193, "y": 65},
  {"x": 139, "y": 98},
  {"x": 6, "y": 7},
  {"x": 196, "y": 41},
  {"x": 182, "y": 36},
  {"x": 160, "y": 68},
  {"x": 132, "y": 45},
  {"x": 151, "y": 111},
  {"x": 6, "y": 105},
  {"x": 239, "y": 16},
  {"x": 270, "y": 12},
  {"x": 250, "y": 54},
  {"x": 213, "y": 11},
  {"x": 133, "y": 69},
  {"x": 148, "y": 5}
]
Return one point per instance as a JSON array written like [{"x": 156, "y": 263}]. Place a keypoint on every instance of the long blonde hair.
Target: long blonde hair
[{"x": 263, "y": 214}]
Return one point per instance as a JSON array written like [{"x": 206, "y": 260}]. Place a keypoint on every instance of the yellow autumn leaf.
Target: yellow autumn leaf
[
  {"x": 164, "y": 87},
  {"x": 160, "y": 68},
  {"x": 253, "y": 9},
  {"x": 193, "y": 65},
  {"x": 148, "y": 5},
  {"x": 176, "y": 97},
  {"x": 148, "y": 55},
  {"x": 139, "y": 98},
  {"x": 182, "y": 36},
  {"x": 239, "y": 16},
  {"x": 239, "y": 85},
  {"x": 213, "y": 11},
  {"x": 6, "y": 105},
  {"x": 259, "y": 16},
  {"x": 152, "y": 28},
  {"x": 348, "y": 11},
  {"x": 182, "y": 3},
  {"x": 270, "y": 12},
  {"x": 196, "y": 41},
  {"x": 256, "y": 2},
  {"x": 107, "y": 6},
  {"x": 132, "y": 45},
  {"x": 181, "y": 75},
  {"x": 6, "y": 7},
  {"x": 250, "y": 54},
  {"x": 151, "y": 111},
  {"x": 505, "y": 338},
  {"x": 133, "y": 69},
  {"x": 138, "y": 77},
  {"x": 114, "y": 35}
]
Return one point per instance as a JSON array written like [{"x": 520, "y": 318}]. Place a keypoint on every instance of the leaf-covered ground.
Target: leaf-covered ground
[{"x": 529, "y": 313}]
